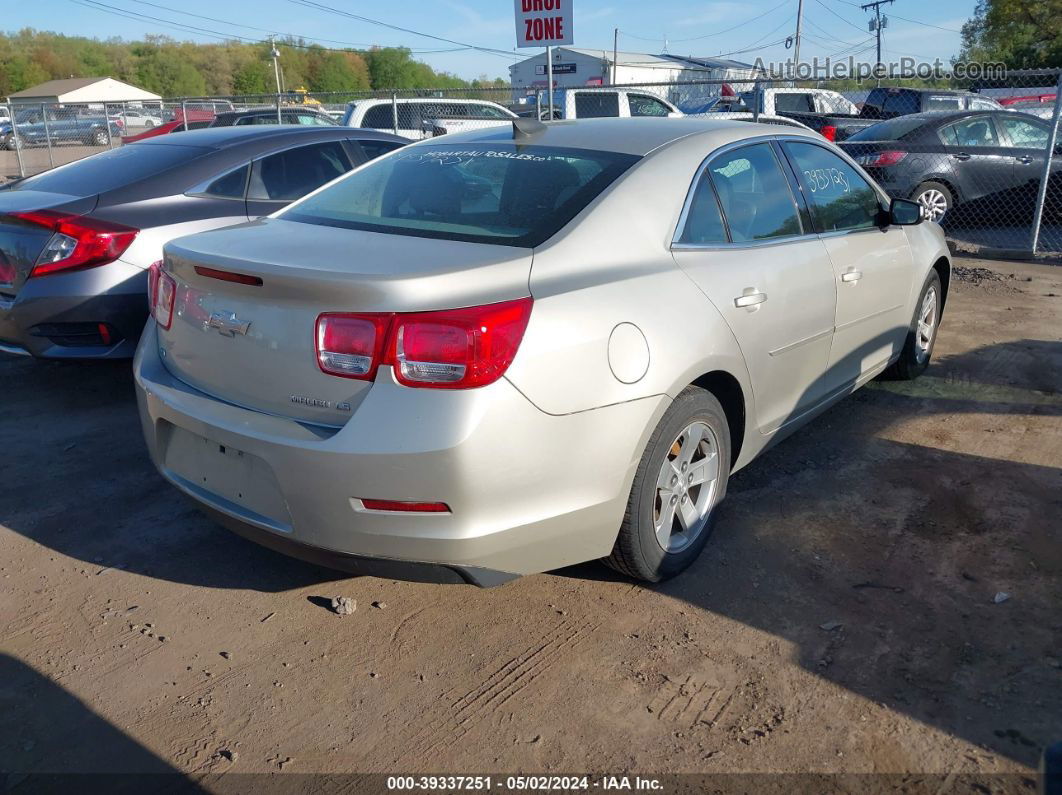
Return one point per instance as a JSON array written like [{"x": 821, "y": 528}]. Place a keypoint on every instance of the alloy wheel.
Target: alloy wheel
[
  {"x": 686, "y": 487},
  {"x": 927, "y": 326},
  {"x": 934, "y": 204}
]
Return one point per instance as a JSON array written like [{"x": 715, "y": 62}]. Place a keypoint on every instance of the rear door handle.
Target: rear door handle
[
  {"x": 750, "y": 299},
  {"x": 851, "y": 275},
  {"x": 961, "y": 156}
]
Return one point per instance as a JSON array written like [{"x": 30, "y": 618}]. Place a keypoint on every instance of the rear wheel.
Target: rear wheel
[
  {"x": 13, "y": 142},
  {"x": 679, "y": 482},
  {"x": 935, "y": 200},
  {"x": 99, "y": 137},
  {"x": 922, "y": 335}
]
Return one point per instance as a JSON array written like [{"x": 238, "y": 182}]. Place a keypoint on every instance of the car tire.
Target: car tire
[
  {"x": 12, "y": 143},
  {"x": 662, "y": 486},
  {"x": 935, "y": 199},
  {"x": 922, "y": 334},
  {"x": 99, "y": 137}
]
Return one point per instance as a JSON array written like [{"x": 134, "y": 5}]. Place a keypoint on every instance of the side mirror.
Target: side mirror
[{"x": 904, "y": 212}]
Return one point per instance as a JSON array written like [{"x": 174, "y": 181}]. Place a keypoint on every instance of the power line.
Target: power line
[
  {"x": 924, "y": 24},
  {"x": 845, "y": 21},
  {"x": 370, "y": 21},
  {"x": 718, "y": 32}
]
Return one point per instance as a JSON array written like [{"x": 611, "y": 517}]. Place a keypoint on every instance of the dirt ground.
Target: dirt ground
[{"x": 842, "y": 619}]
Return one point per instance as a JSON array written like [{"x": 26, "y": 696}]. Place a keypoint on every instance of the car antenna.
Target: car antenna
[{"x": 525, "y": 128}]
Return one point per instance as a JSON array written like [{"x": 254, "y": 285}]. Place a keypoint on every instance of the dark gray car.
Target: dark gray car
[{"x": 76, "y": 242}]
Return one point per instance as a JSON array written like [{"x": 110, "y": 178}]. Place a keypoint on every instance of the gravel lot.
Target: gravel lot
[{"x": 843, "y": 618}]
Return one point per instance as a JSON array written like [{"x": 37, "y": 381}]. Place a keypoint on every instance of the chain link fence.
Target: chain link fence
[{"x": 981, "y": 157}]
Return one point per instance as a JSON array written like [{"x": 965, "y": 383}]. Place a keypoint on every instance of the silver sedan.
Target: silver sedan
[{"x": 522, "y": 348}]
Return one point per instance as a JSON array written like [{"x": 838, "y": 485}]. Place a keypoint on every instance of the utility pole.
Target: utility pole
[
  {"x": 615, "y": 54},
  {"x": 877, "y": 21},
  {"x": 796, "y": 40},
  {"x": 275, "y": 53}
]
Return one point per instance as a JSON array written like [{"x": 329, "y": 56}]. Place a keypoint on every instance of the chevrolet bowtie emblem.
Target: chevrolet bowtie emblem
[{"x": 228, "y": 324}]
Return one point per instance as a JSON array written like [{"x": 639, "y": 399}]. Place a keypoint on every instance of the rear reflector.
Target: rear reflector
[
  {"x": 161, "y": 292},
  {"x": 229, "y": 276},
  {"x": 399, "y": 506},
  {"x": 449, "y": 349},
  {"x": 77, "y": 241}
]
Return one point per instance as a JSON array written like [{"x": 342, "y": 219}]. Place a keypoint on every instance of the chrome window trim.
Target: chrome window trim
[{"x": 730, "y": 245}]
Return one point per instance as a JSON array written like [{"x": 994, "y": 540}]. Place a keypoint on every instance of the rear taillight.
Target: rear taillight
[
  {"x": 77, "y": 242},
  {"x": 450, "y": 349},
  {"x": 161, "y": 291},
  {"x": 829, "y": 132},
  {"x": 889, "y": 157}
]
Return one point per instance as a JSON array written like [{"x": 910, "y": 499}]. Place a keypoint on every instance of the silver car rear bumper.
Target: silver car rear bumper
[{"x": 528, "y": 491}]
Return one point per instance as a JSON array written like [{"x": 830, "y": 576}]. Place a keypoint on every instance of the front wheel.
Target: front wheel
[
  {"x": 922, "y": 335},
  {"x": 99, "y": 137},
  {"x": 679, "y": 482},
  {"x": 13, "y": 142}
]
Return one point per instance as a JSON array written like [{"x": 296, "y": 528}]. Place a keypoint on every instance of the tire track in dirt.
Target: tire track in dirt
[{"x": 465, "y": 712}]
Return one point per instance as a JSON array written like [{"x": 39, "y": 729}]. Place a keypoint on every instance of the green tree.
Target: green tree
[{"x": 1020, "y": 33}]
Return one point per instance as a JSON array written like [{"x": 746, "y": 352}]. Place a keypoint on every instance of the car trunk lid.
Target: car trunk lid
[{"x": 258, "y": 351}]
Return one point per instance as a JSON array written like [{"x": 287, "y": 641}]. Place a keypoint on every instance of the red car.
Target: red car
[{"x": 196, "y": 119}]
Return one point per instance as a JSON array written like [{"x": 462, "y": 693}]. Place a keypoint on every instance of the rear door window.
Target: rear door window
[
  {"x": 794, "y": 103},
  {"x": 839, "y": 198},
  {"x": 292, "y": 174},
  {"x": 976, "y": 132},
  {"x": 595, "y": 105},
  {"x": 754, "y": 194},
  {"x": 704, "y": 220},
  {"x": 378, "y": 117}
]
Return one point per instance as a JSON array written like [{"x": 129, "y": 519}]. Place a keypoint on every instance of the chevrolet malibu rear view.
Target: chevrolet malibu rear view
[{"x": 529, "y": 346}]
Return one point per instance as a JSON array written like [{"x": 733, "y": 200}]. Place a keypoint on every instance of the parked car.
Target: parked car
[
  {"x": 139, "y": 117},
  {"x": 1040, "y": 105},
  {"x": 196, "y": 120},
  {"x": 829, "y": 113},
  {"x": 595, "y": 103},
  {"x": 301, "y": 115},
  {"x": 887, "y": 103},
  {"x": 76, "y": 241},
  {"x": 762, "y": 118},
  {"x": 402, "y": 375},
  {"x": 32, "y": 129},
  {"x": 425, "y": 117},
  {"x": 992, "y": 160}
]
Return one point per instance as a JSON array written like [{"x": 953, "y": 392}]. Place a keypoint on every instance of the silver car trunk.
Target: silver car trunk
[{"x": 270, "y": 364}]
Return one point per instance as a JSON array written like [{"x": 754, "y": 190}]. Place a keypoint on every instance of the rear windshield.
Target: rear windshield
[
  {"x": 109, "y": 170},
  {"x": 504, "y": 194},
  {"x": 891, "y": 130}
]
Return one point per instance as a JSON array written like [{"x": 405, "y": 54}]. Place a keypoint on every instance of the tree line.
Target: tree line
[{"x": 187, "y": 69}]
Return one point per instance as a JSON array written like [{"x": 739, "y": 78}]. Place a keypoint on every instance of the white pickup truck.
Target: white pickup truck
[{"x": 591, "y": 103}]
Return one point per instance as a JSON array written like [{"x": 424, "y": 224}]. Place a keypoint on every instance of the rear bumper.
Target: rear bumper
[
  {"x": 528, "y": 491},
  {"x": 56, "y": 316}
]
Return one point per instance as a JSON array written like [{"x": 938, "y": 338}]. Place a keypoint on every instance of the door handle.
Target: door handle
[
  {"x": 961, "y": 156},
  {"x": 1024, "y": 160},
  {"x": 851, "y": 275},
  {"x": 750, "y": 299}
]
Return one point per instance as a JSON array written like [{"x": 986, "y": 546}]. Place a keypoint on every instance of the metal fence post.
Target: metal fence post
[
  {"x": 15, "y": 139},
  {"x": 184, "y": 114},
  {"x": 279, "y": 120},
  {"x": 1041, "y": 196},
  {"x": 758, "y": 102},
  {"x": 394, "y": 111},
  {"x": 107, "y": 123},
  {"x": 47, "y": 135}
]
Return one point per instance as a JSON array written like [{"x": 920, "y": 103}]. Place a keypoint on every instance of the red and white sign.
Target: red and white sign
[{"x": 543, "y": 23}]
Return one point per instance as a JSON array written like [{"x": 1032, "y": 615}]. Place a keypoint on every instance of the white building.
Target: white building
[
  {"x": 84, "y": 91},
  {"x": 576, "y": 67}
]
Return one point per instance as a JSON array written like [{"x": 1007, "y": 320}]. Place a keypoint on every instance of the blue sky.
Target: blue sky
[{"x": 923, "y": 30}]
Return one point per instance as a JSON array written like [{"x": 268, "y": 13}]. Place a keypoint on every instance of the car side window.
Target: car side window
[
  {"x": 291, "y": 174},
  {"x": 594, "y": 105},
  {"x": 704, "y": 220},
  {"x": 839, "y": 198},
  {"x": 488, "y": 112},
  {"x": 379, "y": 117},
  {"x": 641, "y": 105},
  {"x": 754, "y": 194},
  {"x": 229, "y": 186},
  {"x": 1024, "y": 134},
  {"x": 793, "y": 103},
  {"x": 411, "y": 115},
  {"x": 978, "y": 131},
  {"x": 373, "y": 149},
  {"x": 900, "y": 104}
]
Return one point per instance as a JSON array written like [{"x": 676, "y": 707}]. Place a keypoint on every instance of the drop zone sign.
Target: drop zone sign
[{"x": 543, "y": 23}]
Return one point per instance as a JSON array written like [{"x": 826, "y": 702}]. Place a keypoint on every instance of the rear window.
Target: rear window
[
  {"x": 892, "y": 130},
  {"x": 502, "y": 194},
  {"x": 112, "y": 169}
]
